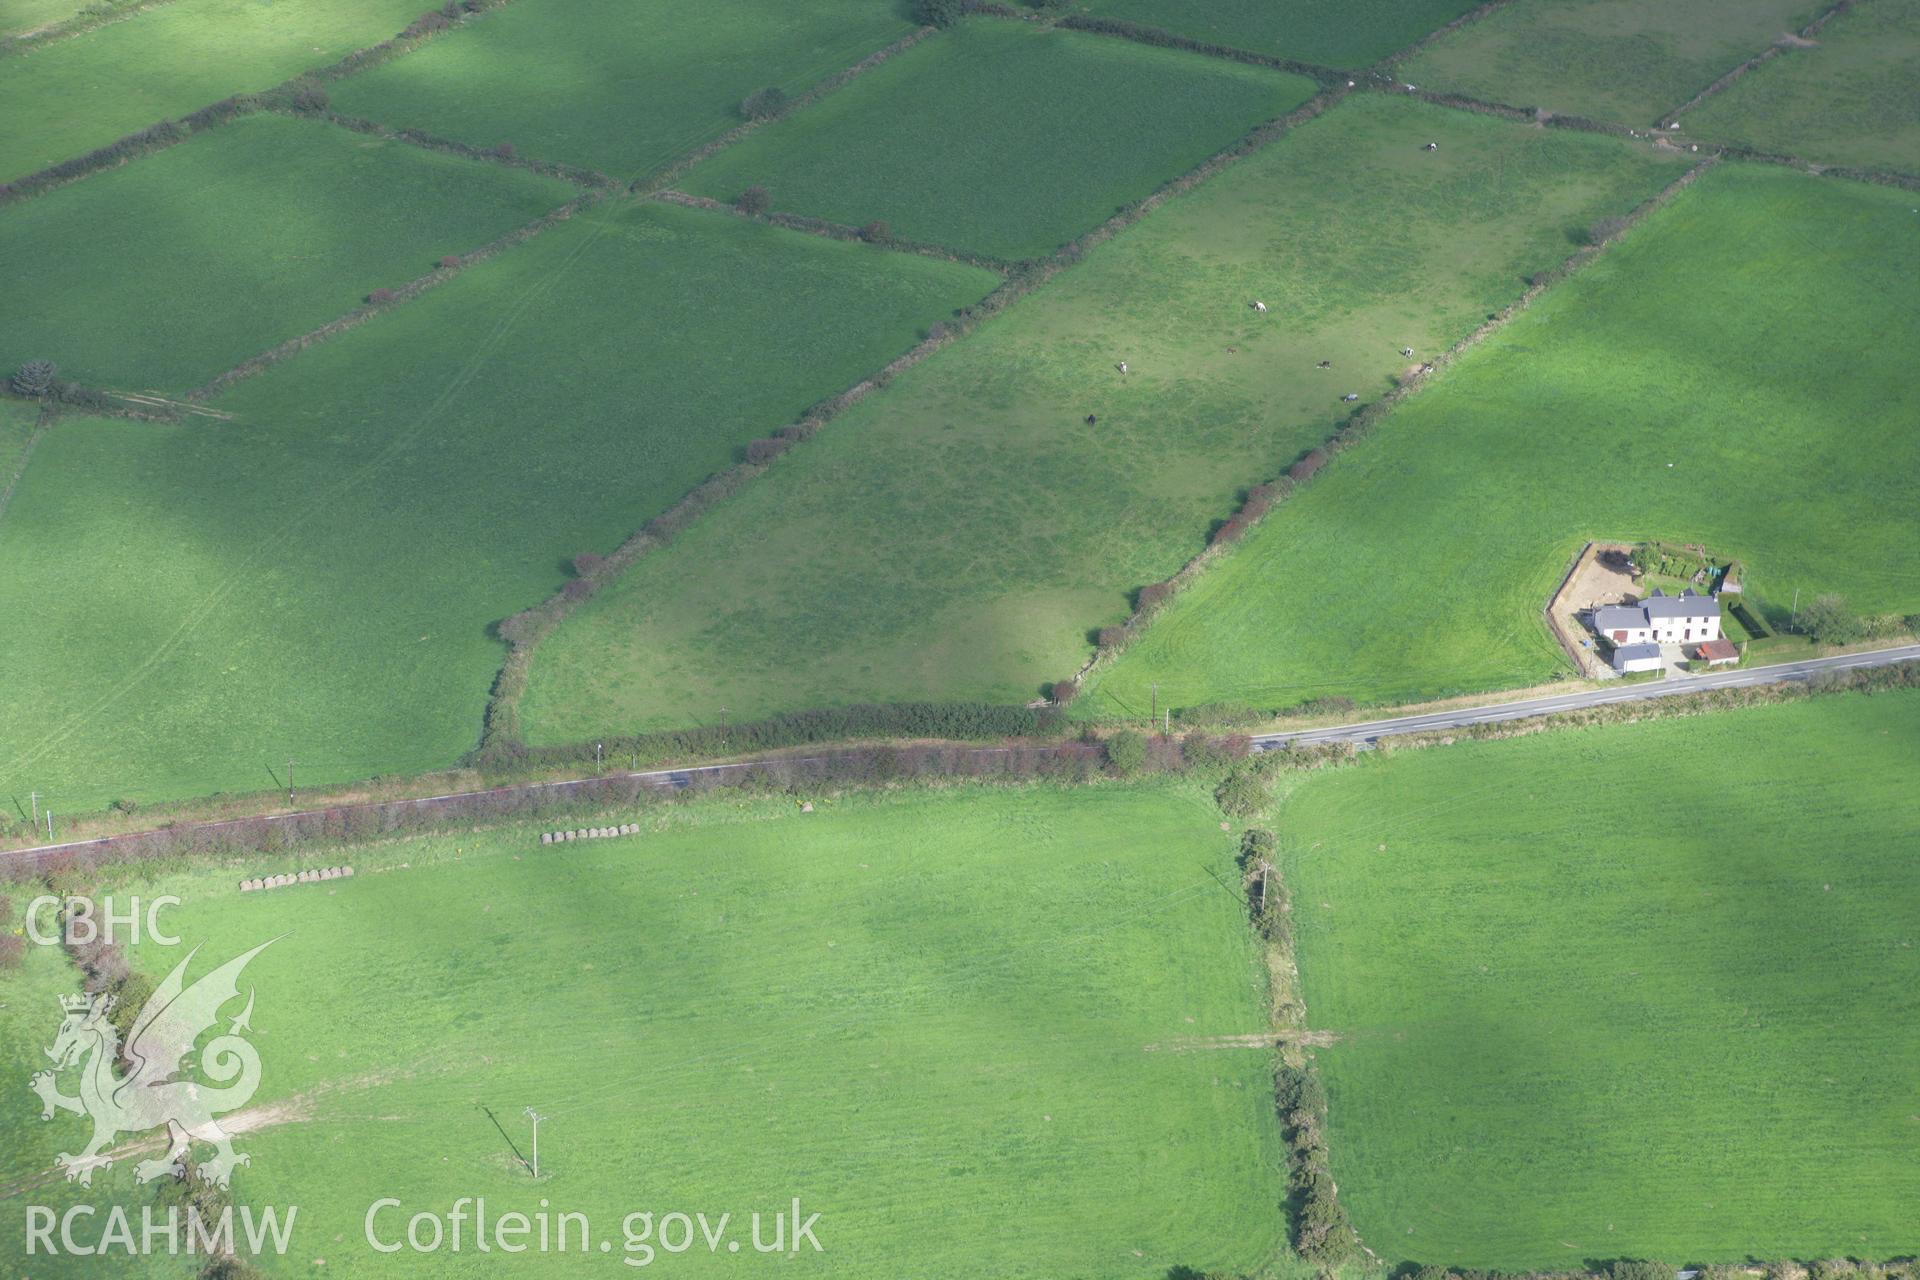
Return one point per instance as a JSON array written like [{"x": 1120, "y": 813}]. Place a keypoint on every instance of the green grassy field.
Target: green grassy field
[
  {"x": 30, "y": 1018},
  {"x": 17, "y": 419},
  {"x": 614, "y": 86},
  {"x": 978, "y": 526},
  {"x": 1637, "y": 991},
  {"x": 1628, "y": 61},
  {"x": 161, "y": 274},
  {"x": 192, "y": 604},
  {"x": 170, "y": 61},
  {"x": 1335, "y": 33},
  {"x": 1853, "y": 99},
  {"x": 1060, "y": 130},
  {"x": 1731, "y": 374},
  {"x": 17, "y": 17},
  {"x": 747, "y": 1004}
]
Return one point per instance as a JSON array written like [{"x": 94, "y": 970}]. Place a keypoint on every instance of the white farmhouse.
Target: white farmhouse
[{"x": 1687, "y": 618}]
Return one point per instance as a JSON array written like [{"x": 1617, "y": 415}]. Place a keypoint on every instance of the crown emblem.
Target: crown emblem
[{"x": 81, "y": 1003}]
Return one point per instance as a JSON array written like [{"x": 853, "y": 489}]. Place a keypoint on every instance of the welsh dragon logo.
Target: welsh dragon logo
[{"x": 149, "y": 1095}]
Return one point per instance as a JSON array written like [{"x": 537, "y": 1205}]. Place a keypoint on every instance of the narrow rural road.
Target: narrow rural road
[
  {"x": 1464, "y": 717},
  {"x": 1360, "y": 734}
]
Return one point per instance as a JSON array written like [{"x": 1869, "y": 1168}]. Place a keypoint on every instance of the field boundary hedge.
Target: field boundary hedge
[
  {"x": 1759, "y": 59},
  {"x": 1435, "y": 36},
  {"x": 430, "y": 24},
  {"x": 1159, "y": 38},
  {"x": 384, "y": 300},
  {"x": 500, "y": 738},
  {"x": 1262, "y": 498},
  {"x": 102, "y": 13},
  {"x": 590, "y": 179},
  {"x": 166, "y": 133},
  {"x": 664, "y": 177},
  {"x": 841, "y": 231},
  {"x": 141, "y": 142}
]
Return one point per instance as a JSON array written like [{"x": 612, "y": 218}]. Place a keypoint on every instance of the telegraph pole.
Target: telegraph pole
[
  {"x": 49, "y": 826},
  {"x": 596, "y": 757},
  {"x": 33, "y": 799},
  {"x": 289, "y": 779},
  {"x": 536, "y": 1117},
  {"x": 1793, "y": 623},
  {"x": 723, "y": 726},
  {"x": 1153, "y": 707}
]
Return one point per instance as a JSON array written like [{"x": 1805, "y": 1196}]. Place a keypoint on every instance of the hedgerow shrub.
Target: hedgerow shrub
[
  {"x": 35, "y": 378},
  {"x": 1303, "y": 470},
  {"x": 764, "y": 104},
  {"x": 753, "y": 200},
  {"x": 1126, "y": 752},
  {"x": 767, "y": 449},
  {"x": 1243, "y": 793},
  {"x": 938, "y": 13}
]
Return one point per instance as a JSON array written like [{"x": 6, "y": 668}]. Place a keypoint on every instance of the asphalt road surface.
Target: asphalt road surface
[
  {"x": 1463, "y": 717},
  {"x": 1360, "y": 734}
]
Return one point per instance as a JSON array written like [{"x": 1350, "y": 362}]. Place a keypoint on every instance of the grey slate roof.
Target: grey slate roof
[
  {"x": 1655, "y": 608},
  {"x": 1687, "y": 604},
  {"x": 1609, "y": 617},
  {"x": 1628, "y": 652}
]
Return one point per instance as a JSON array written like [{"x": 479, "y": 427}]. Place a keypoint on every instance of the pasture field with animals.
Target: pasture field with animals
[
  {"x": 1632, "y": 991},
  {"x": 1625, "y": 61},
  {"x": 981, "y": 525},
  {"x": 745, "y": 1003},
  {"x": 614, "y": 86},
  {"x": 63, "y": 99},
  {"x": 1332, "y": 33},
  {"x": 1723, "y": 376},
  {"x": 242, "y": 236},
  {"x": 1851, "y": 97},
  {"x": 317, "y": 576},
  {"x": 1062, "y": 129}
]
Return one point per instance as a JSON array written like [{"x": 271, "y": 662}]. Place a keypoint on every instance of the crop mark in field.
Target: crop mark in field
[
  {"x": 1258, "y": 1040},
  {"x": 154, "y": 401}
]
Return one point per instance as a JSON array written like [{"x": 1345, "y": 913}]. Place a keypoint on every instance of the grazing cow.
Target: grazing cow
[
  {"x": 1406, "y": 351},
  {"x": 1122, "y": 366},
  {"x": 1324, "y": 364},
  {"x": 1350, "y": 396},
  {"x": 1260, "y": 307},
  {"x": 1433, "y": 146},
  {"x": 1091, "y": 419}
]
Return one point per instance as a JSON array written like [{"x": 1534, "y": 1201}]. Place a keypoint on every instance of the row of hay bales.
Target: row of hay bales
[
  {"x": 303, "y": 877},
  {"x": 590, "y": 833}
]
